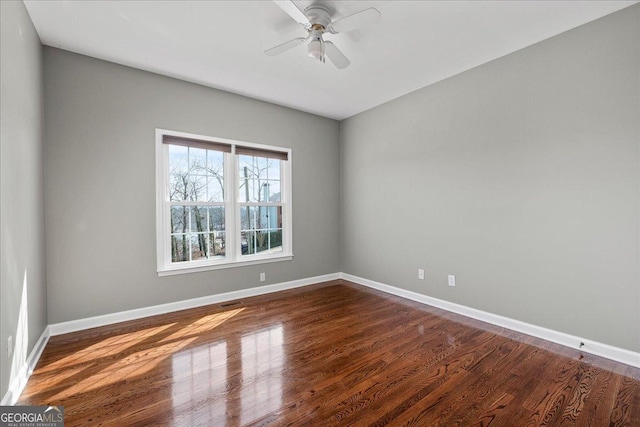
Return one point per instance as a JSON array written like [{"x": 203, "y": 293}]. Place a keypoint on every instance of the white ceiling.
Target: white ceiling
[{"x": 220, "y": 43}]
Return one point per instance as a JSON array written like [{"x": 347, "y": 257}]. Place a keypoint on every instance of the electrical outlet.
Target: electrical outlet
[
  {"x": 9, "y": 346},
  {"x": 452, "y": 280},
  {"x": 420, "y": 274},
  {"x": 263, "y": 277}
]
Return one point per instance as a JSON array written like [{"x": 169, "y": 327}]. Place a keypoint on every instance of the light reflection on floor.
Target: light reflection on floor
[
  {"x": 262, "y": 363},
  {"x": 202, "y": 388},
  {"x": 199, "y": 383}
]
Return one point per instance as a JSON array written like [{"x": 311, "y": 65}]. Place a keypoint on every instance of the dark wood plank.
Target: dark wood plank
[{"x": 330, "y": 354}]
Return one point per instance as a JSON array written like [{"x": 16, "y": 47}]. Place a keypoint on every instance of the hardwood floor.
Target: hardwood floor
[{"x": 328, "y": 354}]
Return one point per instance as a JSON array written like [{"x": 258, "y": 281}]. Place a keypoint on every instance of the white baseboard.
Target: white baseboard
[
  {"x": 138, "y": 313},
  {"x": 19, "y": 381},
  {"x": 593, "y": 347}
]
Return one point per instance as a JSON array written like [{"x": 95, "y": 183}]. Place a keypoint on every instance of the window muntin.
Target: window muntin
[{"x": 206, "y": 220}]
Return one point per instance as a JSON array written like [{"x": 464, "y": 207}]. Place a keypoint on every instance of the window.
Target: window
[{"x": 221, "y": 203}]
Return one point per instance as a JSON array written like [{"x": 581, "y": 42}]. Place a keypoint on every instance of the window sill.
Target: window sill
[{"x": 200, "y": 268}]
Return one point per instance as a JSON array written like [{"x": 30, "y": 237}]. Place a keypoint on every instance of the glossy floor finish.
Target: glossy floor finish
[{"x": 329, "y": 354}]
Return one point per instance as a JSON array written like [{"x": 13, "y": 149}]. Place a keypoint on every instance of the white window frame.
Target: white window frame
[{"x": 233, "y": 251}]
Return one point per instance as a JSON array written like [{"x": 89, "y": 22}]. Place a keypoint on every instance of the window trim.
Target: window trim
[{"x": 233, "y": 257}]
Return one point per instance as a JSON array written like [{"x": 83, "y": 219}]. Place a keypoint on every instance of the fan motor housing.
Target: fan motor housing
[{"x": 318, "y": 14}]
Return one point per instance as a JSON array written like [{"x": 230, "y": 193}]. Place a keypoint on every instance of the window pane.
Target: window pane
[
  {"x": 197, "y": 189},
  {"x": 195, "y": 174},
  {"x": 262, "y": 217},
  {"x": 197, "y": 233},
  {"x": 245, "y": 238},
  {"x": 274, "y": 169},
  {"x": 215, "y": 189},
  {"x": 248, "y": 217},
  {"x": 273, "y": 191},
  {"x": 178, "y": 159},
  {"x": 215, "y": 174},
  {"x": 265, "y": 232},
  {"x": 246, "y": 188},
  {"x": 179, "y": 248},
  {"x": 258, "y": 179},
  {"x": 218, "y": 243},
  {"x": 275, "y": 240},
  {"x": 199, "y": 246},
  {"x": 255, "y": 164},
  {"x": 179, "y": 219},
  {"x": 245, "y": 161},
  {"x": 264, "y": 192},
  {"x": 178, "y": 187},
  {"x": 197, "y": 160},
  {"x": 269, "y": 217},
  {"x": 254, "y": 242},
  {"x": 199, "y": 219},
  {"x": 216, "y": 219}
]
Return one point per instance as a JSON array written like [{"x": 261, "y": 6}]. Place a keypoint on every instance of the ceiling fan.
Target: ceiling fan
[{"x": 316, "y": 19}]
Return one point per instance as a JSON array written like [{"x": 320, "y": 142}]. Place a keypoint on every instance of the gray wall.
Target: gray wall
[
  {"x": 521, "y": 177},
  {"x": 100, "y": 121},
  {"x": 23, "y": 303}
]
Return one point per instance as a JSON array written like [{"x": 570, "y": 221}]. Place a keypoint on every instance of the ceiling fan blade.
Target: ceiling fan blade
[
  {"x": 277, "y": 50},
  {"x": 357, "y": 20},
  {"x": 336, "y": 56},
  {"x": 293, "y": 11}
]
